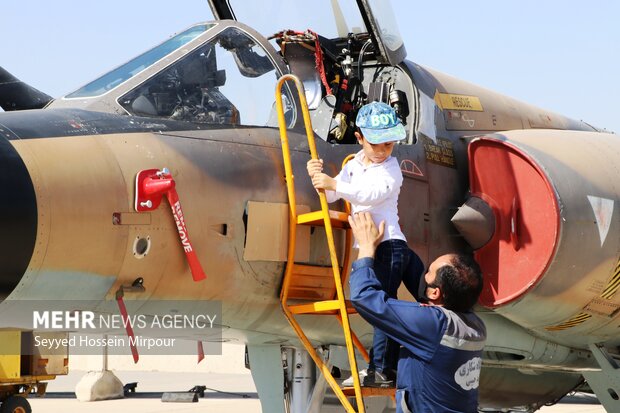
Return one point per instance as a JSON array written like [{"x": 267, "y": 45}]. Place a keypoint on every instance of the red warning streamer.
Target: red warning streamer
[
  {"x": 151, "y": 185},
  {"x": 192, "y": 259},
  {"x": 128, "y": 327},
  {"x": 201, "y": 352}
]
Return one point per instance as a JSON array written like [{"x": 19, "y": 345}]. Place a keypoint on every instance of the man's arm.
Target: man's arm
[{"x": 417, "y": 328}]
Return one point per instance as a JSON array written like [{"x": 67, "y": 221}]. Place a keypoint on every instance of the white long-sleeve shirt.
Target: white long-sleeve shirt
[{"x": 373, "y": 188}]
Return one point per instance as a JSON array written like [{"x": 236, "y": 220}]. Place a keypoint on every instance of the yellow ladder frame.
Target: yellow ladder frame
[{"x": 342, "y": 314}]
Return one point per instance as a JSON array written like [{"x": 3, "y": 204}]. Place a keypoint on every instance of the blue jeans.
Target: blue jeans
[{"x": 394, "y": 263}]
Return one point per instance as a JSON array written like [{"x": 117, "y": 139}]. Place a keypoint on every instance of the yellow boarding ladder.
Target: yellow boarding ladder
[{"x": 319, "y": 289}]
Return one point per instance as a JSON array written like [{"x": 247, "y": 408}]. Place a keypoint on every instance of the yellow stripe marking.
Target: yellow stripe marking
[
  {"x": 574, "y": 321},
  {"x": 609, "y": 294},
  {"x": 613, "y": 284},
  {"x": 609, "y": 291}
]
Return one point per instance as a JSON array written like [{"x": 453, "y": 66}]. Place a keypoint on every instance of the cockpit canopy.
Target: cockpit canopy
[
  {"x": 213, "y": 73},
  {"x": 224, "y": 72},
  {"x": 334, "y": 20},
  {"x": 136, "y": 65}
]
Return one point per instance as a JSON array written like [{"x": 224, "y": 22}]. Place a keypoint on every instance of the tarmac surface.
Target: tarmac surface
[
  {"x": 229, "y": 392},
  {"x": 225, "y": 393}
]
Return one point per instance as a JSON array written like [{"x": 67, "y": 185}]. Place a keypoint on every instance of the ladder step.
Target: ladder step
[
  {"x": 312, "y": 283},
  {"x": 338, "y": 219},
  {"x": 328, "y": 307},
  {"x": 371, "y": 391},
  {"x": 312, "y": 271},
  {"x": 311, "y": 294}
]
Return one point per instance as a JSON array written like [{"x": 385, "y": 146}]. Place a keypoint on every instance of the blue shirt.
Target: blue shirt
[{"x": 441, "y": 351}]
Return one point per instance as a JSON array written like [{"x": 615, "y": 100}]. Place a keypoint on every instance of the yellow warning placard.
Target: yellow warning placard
[
  {"x": 458, "y": 102},
  {"x": 441, "y": 153}
]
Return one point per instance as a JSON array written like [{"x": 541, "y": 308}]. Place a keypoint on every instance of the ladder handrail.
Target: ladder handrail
[
  {"x": 284, "y": 138},
  {"x": 290, "y": 181},
  {"x": 343, "y": 313}
]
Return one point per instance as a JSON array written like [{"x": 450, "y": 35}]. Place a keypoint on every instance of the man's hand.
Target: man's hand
[{"x": 366, "y": 233}]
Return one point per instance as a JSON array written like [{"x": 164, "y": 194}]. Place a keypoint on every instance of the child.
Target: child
[{"x": 371, "y": 183}]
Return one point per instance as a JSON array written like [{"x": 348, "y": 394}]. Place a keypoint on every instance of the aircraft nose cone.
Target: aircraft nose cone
[
  {"x": 475, "y": 221},
  {"x": 18, "y": 218}
]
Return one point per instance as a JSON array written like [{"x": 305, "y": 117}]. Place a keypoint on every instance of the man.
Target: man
[{"x": 442, "y": 341}]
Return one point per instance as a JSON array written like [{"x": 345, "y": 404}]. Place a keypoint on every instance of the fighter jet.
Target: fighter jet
[{"x": 532, "y": 193}]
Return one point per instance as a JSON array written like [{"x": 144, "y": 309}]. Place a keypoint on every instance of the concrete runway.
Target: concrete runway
[
  {"x": 235, "y": 393},
  {"x": 226, "y": 393},
  {"x": 229, "y": 383}
]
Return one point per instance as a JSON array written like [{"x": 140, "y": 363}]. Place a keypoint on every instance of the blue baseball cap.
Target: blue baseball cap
[{"x": 379, "y": 123}]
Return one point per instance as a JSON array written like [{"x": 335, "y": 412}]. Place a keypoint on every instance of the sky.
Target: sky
[{"x": 560, "y": 55}]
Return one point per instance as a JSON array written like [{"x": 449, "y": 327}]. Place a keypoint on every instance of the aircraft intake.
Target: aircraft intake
[
  {"x": 18, "y": 218},
  {"x": 543, "y": 212}
]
